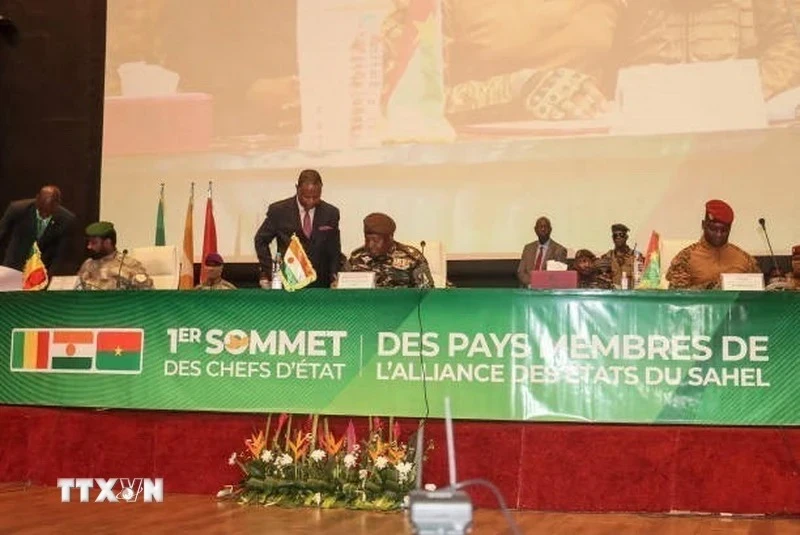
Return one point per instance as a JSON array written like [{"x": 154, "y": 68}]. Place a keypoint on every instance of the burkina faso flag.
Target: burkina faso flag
[{"x": 119, "y": 350}]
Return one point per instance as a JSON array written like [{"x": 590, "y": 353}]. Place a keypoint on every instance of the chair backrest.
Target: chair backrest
[
  {"x": 162, "y": 265},
  {"x": 437, "y": 261},
  {"x": 670, "y": 248}
]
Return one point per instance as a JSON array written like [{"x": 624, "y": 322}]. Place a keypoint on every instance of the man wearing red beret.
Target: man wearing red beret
[
  {"x": 794, "y": 276},
  {"x": 700, "y": 265}
]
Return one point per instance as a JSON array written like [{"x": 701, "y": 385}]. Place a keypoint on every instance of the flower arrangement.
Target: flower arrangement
[{"x": 307, "y": 465}]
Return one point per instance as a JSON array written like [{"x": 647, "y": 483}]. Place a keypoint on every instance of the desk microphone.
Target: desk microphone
[
  {"x": 422, "y": 247},
  {"x": 763, "y": 223},
  {"x": 121, "y": 263}
]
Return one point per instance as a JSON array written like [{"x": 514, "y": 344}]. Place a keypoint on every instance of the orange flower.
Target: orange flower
[
  {"x": 329, "y": 443},
  {"x": 256, "y": 444},
  {"x": 299, "y": 446}
]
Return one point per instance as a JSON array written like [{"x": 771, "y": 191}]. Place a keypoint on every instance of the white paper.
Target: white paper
[
  {"x": 690, "y": 97},
  {"x": 555, "y": 265},
  {"x": 10, "y": 280},
  {"x": 62, "y": 283},
  {"x": 355, "y": 280},
  {"x": 742, "y": 282}
]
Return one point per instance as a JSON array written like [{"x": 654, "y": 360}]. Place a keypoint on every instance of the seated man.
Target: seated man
[
  {"x": 700, "y": 265},
  {"x": 106, "y": 268},
  {"x": 395, "y": 265},
  {"x": 793, "y": 279},
  {"x": 214, "y": 281},
  {"x": 621, "y": 257},
  {"x": 588, "y": 272}
]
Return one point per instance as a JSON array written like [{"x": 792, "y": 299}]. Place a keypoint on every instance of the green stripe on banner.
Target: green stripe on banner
[
  {"x": 71, "y": 363},
  {"x": 644, "y": 357},
  {"x": 124, "y": 361},
  {"x": 18, "y": 356}
]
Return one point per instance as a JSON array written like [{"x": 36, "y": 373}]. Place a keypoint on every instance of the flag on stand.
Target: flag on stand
[
  {"x": 209, "y": 234},
  {"x": 34, "y": 274},
  {"x": 296, "y": 270},
  {"x": 160, "y": 235},
  {"x": 651, "y": 275},
  {"x": 187, "y": 257}
]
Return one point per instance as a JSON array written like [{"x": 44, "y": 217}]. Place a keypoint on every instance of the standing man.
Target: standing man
[
  {"x": 699, "y": 266},
  {"x": 106, "y": 268},
  {"x": 42, "y": 220},
  {"x": 621, "y": 257},
  {"x": 395, "y": 264},
  {"x": 316, "y": 224},
  {"x": 536, "y": 254}
]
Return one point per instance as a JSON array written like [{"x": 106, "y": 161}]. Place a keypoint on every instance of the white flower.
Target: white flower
[
  {"x": 283, "y": 459},
  {"x": 362, "y": 474},
  {"x": 403, "y": 470},
  {"x": 349, "y": 460},
  {"x": 430, "y": 487},
  {"x": 232, "y": 459},
  {"x": 381, "y": 462},
  {"x": 405, "y": 501},
  {"x": 317, "y": 455},
  {"x": 318, "y": 498}
]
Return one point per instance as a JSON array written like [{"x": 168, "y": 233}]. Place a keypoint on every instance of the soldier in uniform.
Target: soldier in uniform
[
  {"x": 106, "y": 268},
  {"x": 621, "y": 257},
  {"x": 700, "y": 265},
  {"x": 395, "y": 265},
  {"x": 214, "y": 281},
  {"x": 589, "y": 276}
]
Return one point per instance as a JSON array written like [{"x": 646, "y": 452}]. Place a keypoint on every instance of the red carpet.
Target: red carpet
[{"x": 556, "y": 467}]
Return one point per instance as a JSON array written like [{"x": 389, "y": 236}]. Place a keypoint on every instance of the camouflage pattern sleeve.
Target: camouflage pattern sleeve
[
  {"x": 752, "y": 265},
  {"x": 421, "y": 274},
  {"x": 779, "y": 43},
  {"x": 134, "y": 276},
  {"x": 679, "y": 273}
]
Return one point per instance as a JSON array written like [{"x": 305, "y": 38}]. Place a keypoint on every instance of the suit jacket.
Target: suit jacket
[
  {"x": 324, "y": 248},
  {"x": 56, "y": 243},
  {"x": 555, "y": 251}
]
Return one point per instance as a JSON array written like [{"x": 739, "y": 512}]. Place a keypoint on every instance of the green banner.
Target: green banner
[{"x": 642, "y": 357}]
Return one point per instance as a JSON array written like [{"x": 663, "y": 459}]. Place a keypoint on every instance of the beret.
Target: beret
[
  {"x": 717, "y": 210},
  {"x": 214, "y": 259},
  {"x": 377, "y": 223},
  {"x": 100, "y": 229}
]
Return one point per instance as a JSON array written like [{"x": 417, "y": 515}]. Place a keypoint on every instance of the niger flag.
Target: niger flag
[{"x": 119, "y": 351}]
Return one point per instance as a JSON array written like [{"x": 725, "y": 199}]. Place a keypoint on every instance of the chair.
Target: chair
[
  {"x": 162, "y": 265},
  {"x": 437, "y": 261},
  {"x": 670, "y": 248}
]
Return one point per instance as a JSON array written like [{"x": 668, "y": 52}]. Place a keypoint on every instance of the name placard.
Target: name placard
[
  {"x": 355, "y": 280},
  {"x": 742, "y": 282}
]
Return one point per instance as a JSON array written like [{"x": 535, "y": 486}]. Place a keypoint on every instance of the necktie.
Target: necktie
[
  {"x": 537, "y": 265},
  {"x": 307, "y": 224}
]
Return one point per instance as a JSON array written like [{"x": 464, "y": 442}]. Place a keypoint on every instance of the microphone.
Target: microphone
[
  {"x": 121, "y": 263},
  {"x": 422, "y": 247},
  {"x": 763, "y": 223}
]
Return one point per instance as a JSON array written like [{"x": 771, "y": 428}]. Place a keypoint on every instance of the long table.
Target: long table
[{"x": 718, "y": 358}]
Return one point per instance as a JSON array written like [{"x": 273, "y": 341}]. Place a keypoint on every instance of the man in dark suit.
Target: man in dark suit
[
  {"x": 312, "y": 220},
  {"x": 536, "y": 254},
  {"x": 42, "y": 220}
]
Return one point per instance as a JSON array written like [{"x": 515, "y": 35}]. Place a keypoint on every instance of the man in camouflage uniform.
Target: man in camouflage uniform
[
  {"x": 395, "y": 265},
  {"x": 106, "y": 268},
  {"x": 687, "y": 31},
  {"x": 214, "y": 281},
  {"x": 621, "y": 257},
  {"x": 589, "y": 275},
  {"x": 699, "y": 266}
]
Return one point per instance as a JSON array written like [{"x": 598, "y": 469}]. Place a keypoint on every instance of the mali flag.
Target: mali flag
[
  {"x": 30, "y": 350},
  {"x": 119, "y": 350},
  {"x": 34, "y": 274}
]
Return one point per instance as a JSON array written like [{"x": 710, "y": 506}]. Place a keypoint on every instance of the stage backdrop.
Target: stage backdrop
[
  {"x": 465, "y": 120},
  {"x": 689, "y": 358}
]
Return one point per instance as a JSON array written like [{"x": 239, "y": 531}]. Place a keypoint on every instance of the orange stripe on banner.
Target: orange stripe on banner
[
  {"x": 73, "y": 337},
  {"x": 31, "y": 344},
  {"x": 43, "y": 350}
]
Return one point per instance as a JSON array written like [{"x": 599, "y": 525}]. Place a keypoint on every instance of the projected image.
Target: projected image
[{"x": 183, "y": 75}]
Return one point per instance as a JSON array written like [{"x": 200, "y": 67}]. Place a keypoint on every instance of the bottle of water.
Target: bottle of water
[
  {"x": 277, "y": 284},
  {"x": 624, "y": 284}
]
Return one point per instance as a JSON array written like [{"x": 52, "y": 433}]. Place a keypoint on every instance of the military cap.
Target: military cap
[
  {"x": 619, "y": 227},
  {"x": 214, "y": 259},
  {"x": 377, "y": 223},
  {"x": 100, "y": 229},
  {"x": 721, "y": 211}
]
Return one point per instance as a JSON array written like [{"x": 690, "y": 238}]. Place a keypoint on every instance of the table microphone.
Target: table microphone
[
  {"x": 121, "y": 263},
  {"x": 422, "y": 247},
  {"x": 763, "y": 223}
]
